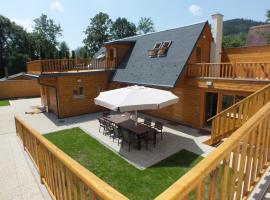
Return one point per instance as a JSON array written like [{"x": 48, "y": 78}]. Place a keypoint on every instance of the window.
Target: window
[
  {"x": 238, "y": 98},
  {"x": 164, "y": 48},
  {"x": 160, "y": 49},
  {"x": 112, "y": 54},
  {"x": 227, "y": 101},
  {"x": 166, "y": 44},
  {"x": 157, "y": 45},
  {"x": 78, "y": 92}
]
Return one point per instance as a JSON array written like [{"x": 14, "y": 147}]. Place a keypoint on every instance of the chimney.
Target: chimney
[
  {"x": 217, "y": 32},
  {"x": 6, "y": 72}
]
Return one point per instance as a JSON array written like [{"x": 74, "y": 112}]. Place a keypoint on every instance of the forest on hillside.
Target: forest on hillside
[{"x": 235, "y": 31}]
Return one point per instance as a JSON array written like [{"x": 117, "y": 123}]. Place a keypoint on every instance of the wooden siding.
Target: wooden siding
[
  {"x": 121, "y": 52},
  {"x": 19, "y": 88},
  {"x": 246, "y": 54},
  {"x": 205, "y": 44},
  {"x": 227, "y": 85},
  {"x": 92, "y": 84}
]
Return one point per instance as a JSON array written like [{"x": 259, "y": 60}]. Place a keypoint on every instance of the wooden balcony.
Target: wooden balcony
[
  {"x": 68, "y": 65},
  {"x": 243, "y": 70}
]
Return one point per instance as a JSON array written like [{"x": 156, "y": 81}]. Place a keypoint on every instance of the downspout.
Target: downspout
[{"x": 56, "y": 93}]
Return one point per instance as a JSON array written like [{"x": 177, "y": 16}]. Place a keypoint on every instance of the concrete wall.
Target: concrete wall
[{"x": 19, "y": 88}]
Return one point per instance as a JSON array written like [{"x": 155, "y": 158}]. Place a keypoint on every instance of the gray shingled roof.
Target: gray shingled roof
[{"x": 138, "y": 68}]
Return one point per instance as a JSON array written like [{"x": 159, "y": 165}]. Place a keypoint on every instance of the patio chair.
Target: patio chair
[
  {"x": 101, "y": 124},
  {"x": 147, "y": 121},
  {"x": 117, "y": 133},
  {"x": 109, "y": 128},
  {"x": 105, "y": 114},
  {"x": 158, "y": 128},
  {"x": 128, "y": 137},
  {"x": 151, "y": 136}
]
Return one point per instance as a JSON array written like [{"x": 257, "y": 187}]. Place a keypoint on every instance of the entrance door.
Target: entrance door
[{"x": 211, "y": 102}]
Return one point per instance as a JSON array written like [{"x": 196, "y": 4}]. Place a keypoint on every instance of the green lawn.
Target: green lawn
[
  {"x": 4, "y": 103},
  {"x": 130, "y": 181}
]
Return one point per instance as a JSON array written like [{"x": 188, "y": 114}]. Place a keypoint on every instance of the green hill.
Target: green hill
[
  {"x": 236, "y": 26},
  {"x": 235, "y": 30}
]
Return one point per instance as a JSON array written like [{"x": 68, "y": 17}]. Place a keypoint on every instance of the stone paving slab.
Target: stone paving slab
[{"x": 18, "y": 177}]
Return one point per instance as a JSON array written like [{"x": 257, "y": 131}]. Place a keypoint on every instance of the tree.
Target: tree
[
  {"x": 73, "y": 55},
  {"x": 63, "y": 50},
  {"x": 14, "y": 46},
  {"x": 122, "y": 28},
  {"x": 235, "y": 40},
  {"x": 267, "y": 35},
  {"x": 145, "y": 25},
  {"x": 45, "y": 33},
  {"x": 267, "y": 16},
  {"x": 97, "y": 32},
  {"x": 81, "y": 52}
]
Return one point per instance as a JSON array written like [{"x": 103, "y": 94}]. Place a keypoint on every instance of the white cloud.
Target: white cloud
[
  {"x": 26, "y": 23},
  {"x": 195, "y": 9},
  {"x": 56, "y": 6}
]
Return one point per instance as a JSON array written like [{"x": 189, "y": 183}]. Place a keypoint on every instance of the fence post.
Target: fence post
[{"x": 40, "y": 162}]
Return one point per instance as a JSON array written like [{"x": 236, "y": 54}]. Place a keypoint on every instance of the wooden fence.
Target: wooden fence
[
  {"x": 227, "y": 121},
  {"x": 63, "y": 177},
  {"x": 66, "y": 65},
  {"x": 233, "y": 169},
  {"x": 19, "y": 88},
  {"x": 248, "y": 70}
]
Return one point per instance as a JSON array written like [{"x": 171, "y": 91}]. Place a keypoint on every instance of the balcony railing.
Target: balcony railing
[
  {"x": 227, "y": 121},
  {"x": 63, "y": 177},
  {"x": 233, "y": 169},
  {"x": 68, "y": 65},
  {"x": 248, "y": 70}
]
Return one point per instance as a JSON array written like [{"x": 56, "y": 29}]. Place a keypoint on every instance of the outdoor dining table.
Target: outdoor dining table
[
  {"x": 117, "y": 118},
  {"x": 139, "y": 130},
  {"x": 125, "y": 122}
]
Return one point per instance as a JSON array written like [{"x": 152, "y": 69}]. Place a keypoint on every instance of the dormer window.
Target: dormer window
[
  {"x": 164, "y": 48},
  {"x": 153, "y": 52},
  {"x": 157, "y": 45},
  {"x": 160, "y": 49}
]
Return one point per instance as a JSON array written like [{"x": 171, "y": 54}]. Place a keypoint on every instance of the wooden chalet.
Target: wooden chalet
[
  {"x": 179, "y": 60},
  {"x": 231, "y": 87}
]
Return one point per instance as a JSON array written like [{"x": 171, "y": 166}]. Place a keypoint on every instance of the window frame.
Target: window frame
[{"x": 78, "y": 92}]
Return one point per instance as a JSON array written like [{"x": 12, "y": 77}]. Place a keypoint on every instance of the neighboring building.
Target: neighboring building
[
  {"x": 20, "y": 76},
  {"x": 257, "y": 35},
  {"x": 176, "y": 60}
]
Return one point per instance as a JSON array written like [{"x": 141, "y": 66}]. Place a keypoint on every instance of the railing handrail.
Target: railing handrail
[
  {"x": 101, "y": 188},
  {"x": 189, "y": 181},
  {"x": 66, "y": 65},
  {"x": 221, "y": 63},
  {"x": 240, "y": 102}
]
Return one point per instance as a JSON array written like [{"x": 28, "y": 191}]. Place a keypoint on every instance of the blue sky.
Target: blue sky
[{"x": 74, "y": 15}]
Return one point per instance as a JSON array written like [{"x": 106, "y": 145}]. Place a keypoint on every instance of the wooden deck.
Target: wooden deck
[
  {"x": 238, "y": 70},
  {"x": 68, "y": 65}
]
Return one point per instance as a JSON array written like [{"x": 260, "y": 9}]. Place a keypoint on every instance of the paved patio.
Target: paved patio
[
  {"x": 18, "y": 177},
  {"x": 176, "y": 137}
]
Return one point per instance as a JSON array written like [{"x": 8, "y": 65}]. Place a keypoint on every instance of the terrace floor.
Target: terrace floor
[
  {"x": 176, "y": 137},
  {"x": 19, "y": 178}
]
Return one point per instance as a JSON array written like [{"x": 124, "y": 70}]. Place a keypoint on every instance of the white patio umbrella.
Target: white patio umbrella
[{"x": 134, "y": 98}]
